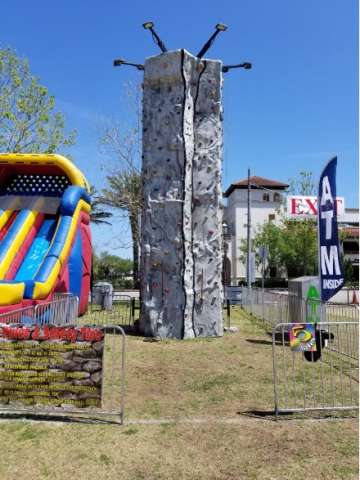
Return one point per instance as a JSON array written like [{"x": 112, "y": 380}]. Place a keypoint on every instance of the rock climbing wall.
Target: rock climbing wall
[
  {"x": 181, "y": 256},
  {"x": 207, "y": 217}
]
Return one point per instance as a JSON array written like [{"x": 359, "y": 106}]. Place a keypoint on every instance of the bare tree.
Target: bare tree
[
  {"x": 303, "y": 184},
  {"x": 122, "y": 145}
]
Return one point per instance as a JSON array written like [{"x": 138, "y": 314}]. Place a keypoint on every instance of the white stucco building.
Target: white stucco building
[{"x": 266, "y": 200}]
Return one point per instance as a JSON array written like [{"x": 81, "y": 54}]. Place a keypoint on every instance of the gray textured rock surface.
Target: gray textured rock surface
[
  {"x": 207, "y": 219},
  {"x": 181, "y": 257}
]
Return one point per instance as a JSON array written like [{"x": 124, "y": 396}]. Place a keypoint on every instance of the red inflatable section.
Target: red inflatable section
[
  {"x": 86, "y": 261},
  {"x": 53, "y": 237}
]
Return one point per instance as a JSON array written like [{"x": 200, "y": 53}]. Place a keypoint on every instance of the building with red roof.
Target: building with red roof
[{"x": 267, "y": 205}]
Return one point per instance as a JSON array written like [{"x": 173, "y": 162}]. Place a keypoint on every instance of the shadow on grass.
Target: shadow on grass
[
  {"x": 44, "y": 417},
  {"x": 260, "y": 342},
  {"x": 264, "y": 414},
  {"x": 267, "y": 342},
  {"x": 306, "y": 415}
]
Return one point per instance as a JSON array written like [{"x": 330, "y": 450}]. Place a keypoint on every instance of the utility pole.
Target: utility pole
[{"x": 248, "y": 263}]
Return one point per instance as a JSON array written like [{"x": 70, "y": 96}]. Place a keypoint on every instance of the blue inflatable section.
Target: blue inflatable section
[
  {"x": 12, "y": 232},
  {"x": 76, "y": 267},
  {"x": 51, "y": 256},
  {"x": 71, "y": 198},
  {"x": 37, "y": 251}
]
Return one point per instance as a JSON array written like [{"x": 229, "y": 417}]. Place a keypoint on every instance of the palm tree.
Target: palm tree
[
  {"x": 124, "y": 193},
  {"x": 98, "y": 215}
]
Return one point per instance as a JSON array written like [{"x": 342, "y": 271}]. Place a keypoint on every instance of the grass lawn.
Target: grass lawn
[
  {"x": 212, "y": 376},
  {"x": 189, "y": 415}
]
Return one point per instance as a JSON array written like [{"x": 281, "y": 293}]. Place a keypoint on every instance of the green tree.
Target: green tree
[
  {"x": 299, "y": 237},
  {"x": 28, "y": 121},
  {"x": 292, "y": 246},
  {"x": 292, "y": 243},
  {"x": 349, "y": 272},
  {"x": 112, "y": 268},
  {"x": 298, "y": 247},
  {"x": 269, "y": 235}
]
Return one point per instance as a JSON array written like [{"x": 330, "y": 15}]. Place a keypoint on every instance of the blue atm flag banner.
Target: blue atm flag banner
[{"x": 330, "y": 265}]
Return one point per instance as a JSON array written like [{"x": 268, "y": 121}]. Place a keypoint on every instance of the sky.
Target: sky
[{"x": 293, "y": 111}]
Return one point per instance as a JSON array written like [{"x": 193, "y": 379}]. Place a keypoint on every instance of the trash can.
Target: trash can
[
  {"x": 103, "y": 295},
  {"x": 304, "y": 301}
]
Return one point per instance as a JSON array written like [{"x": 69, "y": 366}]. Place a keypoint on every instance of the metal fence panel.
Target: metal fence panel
[
  {"x": 61, "y": 311},
  {"x": 121, "y": 313},
  {"x": 300, "y": 383},
  {"x": 270, "y": 306},
  {"x": 330, "y": 382},
  {"x": 274, "y": 307},
  {"x": 21, "y": 315}
]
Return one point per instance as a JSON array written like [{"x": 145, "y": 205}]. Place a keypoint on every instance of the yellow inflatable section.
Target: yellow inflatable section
[
  {"x": 39, "y": 193},
  {"x": 45, "y": 160},
  {"x": 17, "y": 242},
  {"x": 42, "y": 289},
  {"x": 5, "y": 217}
]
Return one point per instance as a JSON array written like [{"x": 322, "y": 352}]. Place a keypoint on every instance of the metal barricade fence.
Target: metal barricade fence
[
  {"x": 61, "y": 311},
  {"x": 121, "y": 313},
  {"x": 113, "y": 401},
  {"x": 341, "y": 312},
  {"x": 21, "y": 315},
  {"x": 330, "y": 382},
  {"x": 270, "y": 306},
  {"x": 348, "y": 344},
  {"x": 314, "y": 311},
  {"x": 307, "y": 381},
  {"x": 285, "y": 307}
]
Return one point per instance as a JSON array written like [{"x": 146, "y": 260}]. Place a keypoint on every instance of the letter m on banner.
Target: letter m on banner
[{"x": 331, "y": 270}]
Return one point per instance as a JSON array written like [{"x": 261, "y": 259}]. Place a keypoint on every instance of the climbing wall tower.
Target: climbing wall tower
[{"x": 181, "y": 243}]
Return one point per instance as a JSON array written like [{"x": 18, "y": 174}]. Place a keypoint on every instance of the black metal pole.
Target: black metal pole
[
  {"x": 248, "y": 263},
  {"x": 208, "y": 44},
  {"x": 220, "y": 27},
  {"x": 160, "y": 43},
  {"x": 228, "y": 311}
]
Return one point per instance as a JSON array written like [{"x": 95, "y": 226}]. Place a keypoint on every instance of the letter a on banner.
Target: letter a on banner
[{"x": 331, "y": 270}]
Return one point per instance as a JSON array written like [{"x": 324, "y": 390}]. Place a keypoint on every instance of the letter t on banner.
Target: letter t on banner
[{"x": 331, "y": 271}]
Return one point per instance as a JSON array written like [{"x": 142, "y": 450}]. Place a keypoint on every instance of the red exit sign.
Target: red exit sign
[{"x": 303, "y": 206}]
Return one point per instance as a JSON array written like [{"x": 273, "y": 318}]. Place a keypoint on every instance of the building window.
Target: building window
[
  {"x": 271, "y": 217},
  {"x": 277, "y": 197},
  {"x": 266, "y": 197},
  {"x": 273, "y": 272},
  {"x": 350, "y": 247}
]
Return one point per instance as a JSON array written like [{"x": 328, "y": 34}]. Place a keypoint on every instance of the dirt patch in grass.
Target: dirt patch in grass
[{"x": 217, "y": 376}]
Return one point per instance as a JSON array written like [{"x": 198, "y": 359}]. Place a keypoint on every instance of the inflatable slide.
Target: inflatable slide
[{"x": 45, "y": 241}]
